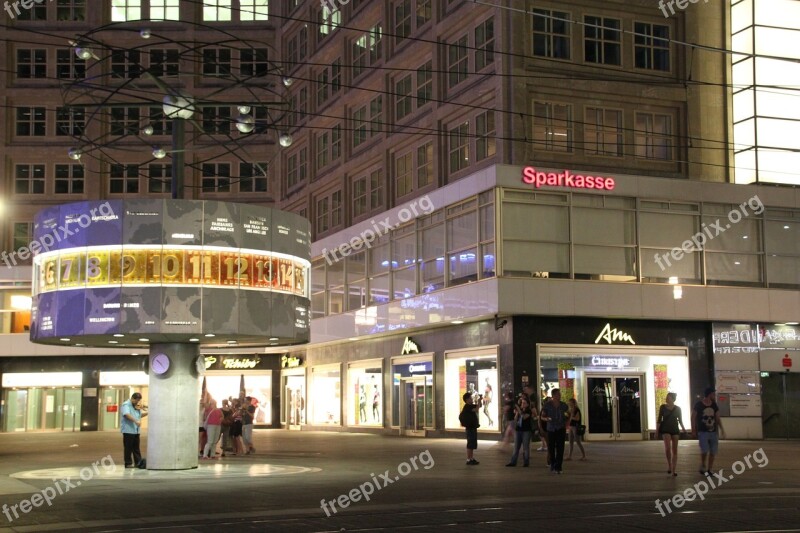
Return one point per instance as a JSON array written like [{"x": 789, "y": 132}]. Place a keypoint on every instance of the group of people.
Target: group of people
[
  {"x": 233, "y": 422},
  {"x": 522, "y": 420},
  {"x": 556, "y": 421}
]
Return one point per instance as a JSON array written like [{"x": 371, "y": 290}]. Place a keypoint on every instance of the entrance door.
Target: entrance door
[
  {"x": 295, "y": 403},
  {"x": 415, "y": 398},
  {"x": 614, "y": 407}
]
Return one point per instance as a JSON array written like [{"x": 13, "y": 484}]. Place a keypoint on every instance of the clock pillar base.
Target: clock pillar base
[{"x": 174, "y": 398}]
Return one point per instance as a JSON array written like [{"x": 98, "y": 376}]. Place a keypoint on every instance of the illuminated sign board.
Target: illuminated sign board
[
  {"x": 419, "y": 367},
  {"x": 117, "y": 266},
  {"x": 537, "y": 178},
  {"x": 612, "y": 335},
  {"x": 618, "y": 362},
  {"x": 409, "y": 346},
  {"x": 237, "y": 363},
  {"x": 290, "y": 361}
]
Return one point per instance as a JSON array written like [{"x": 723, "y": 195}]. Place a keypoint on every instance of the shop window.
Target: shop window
[
  {"x": 475, "y": 373},
  {"x": 325, "y": 391},
  {"x": 365, "y": 394},
  {"x": 225, "y": 385}
]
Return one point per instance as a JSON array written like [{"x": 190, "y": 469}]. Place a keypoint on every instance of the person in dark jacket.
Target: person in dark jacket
[{"x": 469, "y": 419}]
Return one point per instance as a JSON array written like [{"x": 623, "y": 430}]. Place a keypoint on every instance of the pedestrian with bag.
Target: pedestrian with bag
[
  {"x": 469, "y": 420},
  {"x": 523, "y": 417}
]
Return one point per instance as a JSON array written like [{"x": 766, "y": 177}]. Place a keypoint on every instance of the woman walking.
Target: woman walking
[
  {"x": 522, "y": 423},
  {"x": 213, "y": 424},
  {"x": 574, "y": 414},
  {"x": 669, "y": 417}
]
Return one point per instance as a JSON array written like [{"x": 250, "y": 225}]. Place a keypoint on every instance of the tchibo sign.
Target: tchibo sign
[{"x": 566, "y": 179}]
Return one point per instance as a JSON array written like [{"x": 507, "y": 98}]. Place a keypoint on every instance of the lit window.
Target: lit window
[
  {"x": 552, "y": 126},
  {"x": 217, "y": 10},
  {"x": 653, "y": 136},
  {"x": 253, "y": 10},
  {"x": 29, "y": 179},
  {"x": 122, "y": 10},
  {"x": 165, "y": 10}
]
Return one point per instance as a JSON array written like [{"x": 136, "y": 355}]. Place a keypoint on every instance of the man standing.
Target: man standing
[
  {"x": 469, "y": 420},
  {"x": 706, "y": 427},
  {"x": 554, "y": 412},
  {"x": 130, "y": 426}
]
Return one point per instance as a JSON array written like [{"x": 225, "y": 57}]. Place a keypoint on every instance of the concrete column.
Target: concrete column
[{"x": 174, "y": 399}]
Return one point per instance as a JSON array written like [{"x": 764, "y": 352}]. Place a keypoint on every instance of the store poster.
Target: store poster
[
  {"x": 661, "y": 386},
  {"x": 566, "y": 381}
]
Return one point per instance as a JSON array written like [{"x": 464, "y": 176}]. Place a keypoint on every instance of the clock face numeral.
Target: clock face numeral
[{"x": 112, "y": 267}]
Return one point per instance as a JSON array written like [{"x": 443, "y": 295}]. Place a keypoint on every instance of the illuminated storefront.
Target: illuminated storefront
[
  {"x": 229, "y": 377},
  {"x": 473, "y": 371},
  {"x": 365, "y": 393},
  {"x": 413, "y": 394},
  {"x": 325, "y": 395},
  {"x": 115, "y": 389},
  {"x": 41, "y": 401}
]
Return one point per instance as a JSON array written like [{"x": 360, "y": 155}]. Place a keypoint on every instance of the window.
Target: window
[
  {"x": 69, "y": 179},
  {"x": 360, "y": 206},
  {"x": 251, "y": 10},
  {"x": 253, "y": 62},
  {"x": 159, "y": 121},
  {"x": 367, "y": 193},
  {"x": 253, "y": 177},
  {"x": 329, "y": 21},
  {"x": 165, "y": 62},
  {"x": 336, "y": 142},
  {"x": 336, "y": 75},
  {"x": 653, "y": 136},
  {"x": 216, "y": 62},
  {"x": 124, "y": 120},
  {"x": 651, "y": 46},
  {"x": 425, "y": 165},
  {"x": 602, "y": 40},
  {"x": 552, "y": 126},
  {"x": 302, "y": 103},
  {"x": 323, "y": 142},
  {"x": 485, "y": 144},
  {"x": 217, "y": 120},
  {"x": 423, "y": 12},
  {"x": 31, "y": 12},
  {"x": 23, "y": 234},
  {"x": 402, "y": 21},
  {"x": 424, "y": 84},
  {"x": 165, "y": 10},
  {"x": 551, "y": 34},
  {"x": 159, "y": 178},
  {"x": 29, "y": 179},
  {"x": 71, "y": 10},
  {"x": 323, "y": 215},
  {"x": 217, "y": 10},
  {"x": 603, "y": 129},
  {"x": 296, "y": 168},
  {"x": 216, "y": 177},
  {"x": 366, "y": 50},
  {"x": 336, "y": 209},
  {"x": 124, "y": 178},
  {"x": 297, "y": 47},
  {"x": 457, "y": 62},
  {"x": 68, "y": 66},
  {"x": 376, "y": 116},
  {"x": 122, "y": 10},
  {"x": 31, "y": 121},
  {"x": 459, "y": 147},
  {"x": 359, "y": 126},
  {"x": 376, "y": 189},
  {"x": 403, "y": 100},
  {"x": 125, "y": 64},
  {"x": 70, "y": 121},
  {"x": 403, "y": 177},
  {"x": 31, "y": 63},
  {"x": 484, "y": 44},
  {"x": 322, "y": 87}
]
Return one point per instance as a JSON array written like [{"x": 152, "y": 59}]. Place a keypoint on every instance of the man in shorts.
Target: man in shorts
[
  {"x": 706, "y": 427},
  {"x": 469, "y": 419}
]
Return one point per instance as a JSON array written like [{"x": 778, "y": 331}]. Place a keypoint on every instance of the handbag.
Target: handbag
[{"x": 581, "y": 430}]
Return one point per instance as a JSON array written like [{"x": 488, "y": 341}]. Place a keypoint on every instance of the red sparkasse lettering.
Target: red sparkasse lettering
[{"x": 537, "y": 178}]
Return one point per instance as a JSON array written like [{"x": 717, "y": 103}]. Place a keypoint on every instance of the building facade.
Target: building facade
[{"x": 436, "y": 149}]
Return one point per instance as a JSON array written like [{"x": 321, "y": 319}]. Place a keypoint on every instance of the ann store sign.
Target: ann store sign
[{"x": 613, "y": 335}]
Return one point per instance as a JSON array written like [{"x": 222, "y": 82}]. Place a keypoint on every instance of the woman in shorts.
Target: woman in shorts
[{"x": 669, "y": 418}]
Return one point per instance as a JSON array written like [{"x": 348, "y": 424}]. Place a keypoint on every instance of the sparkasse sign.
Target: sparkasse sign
[{"x": 566, "y": 178}]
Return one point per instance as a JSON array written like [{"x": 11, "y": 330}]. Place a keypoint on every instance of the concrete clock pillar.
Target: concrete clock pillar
[{"x": 174, "y": 402}]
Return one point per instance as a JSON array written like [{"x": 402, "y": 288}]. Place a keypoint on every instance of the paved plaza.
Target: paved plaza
[{"x": 409, "y": 484}]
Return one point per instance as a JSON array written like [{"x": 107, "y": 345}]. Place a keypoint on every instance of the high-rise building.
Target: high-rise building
[{"x": 499, "y": 195}]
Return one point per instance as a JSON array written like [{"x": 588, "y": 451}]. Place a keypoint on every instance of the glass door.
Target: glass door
[
  {"x": 414, "y": 406},
  {"x": 16, "y": 404},
  {"x": 614, "y": 408},
  {"x": 294, "y": 401}
]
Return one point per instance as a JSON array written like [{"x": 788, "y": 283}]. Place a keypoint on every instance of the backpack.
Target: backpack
[{"x": 463, "y": 418}]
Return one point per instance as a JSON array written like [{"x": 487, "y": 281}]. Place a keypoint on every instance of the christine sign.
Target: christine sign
[{"x": 566, "y": 179}]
